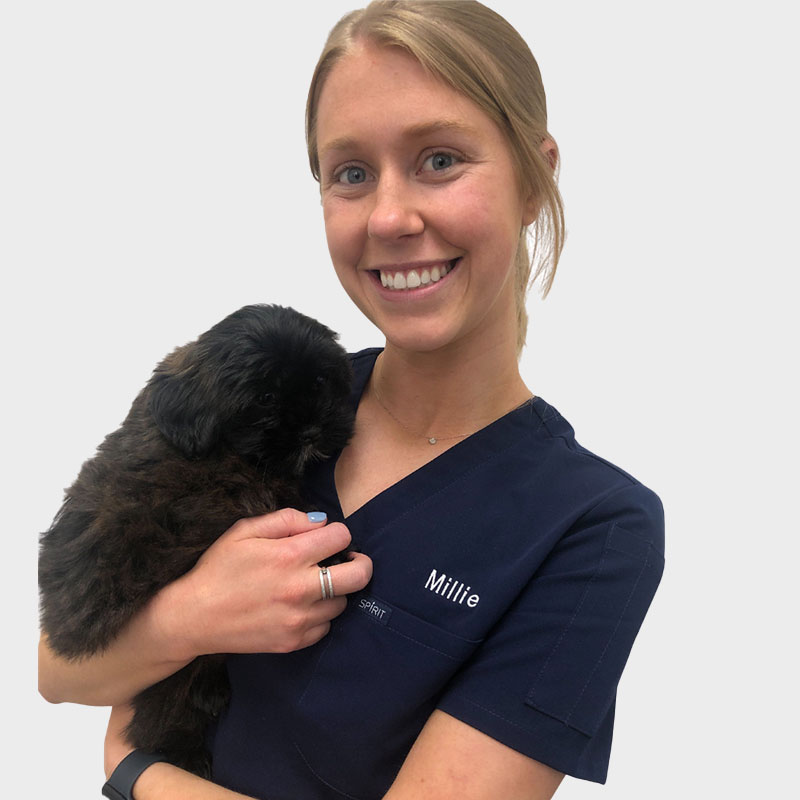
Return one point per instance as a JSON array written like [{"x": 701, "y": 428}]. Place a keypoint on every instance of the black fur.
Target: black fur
[{"x": 223, "y": 430}]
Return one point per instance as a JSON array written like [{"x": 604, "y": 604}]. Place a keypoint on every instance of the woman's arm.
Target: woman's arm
[
  {"x": 449, "y": 761},
  {"x": 165, "y": 782},
  {"x": 256, "y": 589},
  {"x": 145, "y": 652},
  {"x": 452, "y": 761},
  {"x": 159, "y": 781}
]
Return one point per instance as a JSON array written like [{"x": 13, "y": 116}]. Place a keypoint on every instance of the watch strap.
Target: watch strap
[{"x": 119, "y": 785}]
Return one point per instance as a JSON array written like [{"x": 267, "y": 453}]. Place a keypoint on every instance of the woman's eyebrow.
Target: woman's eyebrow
[
  {"x": 417, "y": 131},
  {"x": 438, "y": 126}
]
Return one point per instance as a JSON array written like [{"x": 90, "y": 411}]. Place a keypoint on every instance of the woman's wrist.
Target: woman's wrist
[
  {"x": 155, "y": 782},
  {"x": 169, "y": 619},
  {"x": 121, "y": 783}
]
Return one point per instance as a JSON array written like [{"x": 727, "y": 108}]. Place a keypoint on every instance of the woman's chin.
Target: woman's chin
[{"x": 423, "y": 335}]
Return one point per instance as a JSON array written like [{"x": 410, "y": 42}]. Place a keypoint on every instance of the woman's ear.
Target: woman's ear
[{"x": 549, "y": 149}]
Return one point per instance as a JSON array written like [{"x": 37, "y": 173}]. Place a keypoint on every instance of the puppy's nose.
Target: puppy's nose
[{"x": 310, "y": 434}]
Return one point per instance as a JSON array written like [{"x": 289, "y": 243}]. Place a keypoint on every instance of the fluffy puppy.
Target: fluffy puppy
[{"x": 223, "y": 430}]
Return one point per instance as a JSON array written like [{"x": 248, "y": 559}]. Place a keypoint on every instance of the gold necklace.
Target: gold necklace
[{"x": 431, "y": 439}]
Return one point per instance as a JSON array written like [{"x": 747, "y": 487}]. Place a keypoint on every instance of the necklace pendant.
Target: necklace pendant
[{"x": 432, "y": 440}]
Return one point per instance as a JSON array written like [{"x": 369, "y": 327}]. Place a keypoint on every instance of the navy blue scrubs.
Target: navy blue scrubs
[{"x": 511, "y": 576}]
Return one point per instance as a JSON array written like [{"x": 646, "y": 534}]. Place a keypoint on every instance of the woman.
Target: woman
[{"x": 504, "y": 571}]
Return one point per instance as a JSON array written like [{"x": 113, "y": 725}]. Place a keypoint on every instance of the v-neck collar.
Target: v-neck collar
[{"x": 435, "y": 475}]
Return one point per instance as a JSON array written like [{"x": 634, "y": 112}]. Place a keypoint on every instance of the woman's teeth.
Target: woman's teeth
[{"x": 413, "y": 278}]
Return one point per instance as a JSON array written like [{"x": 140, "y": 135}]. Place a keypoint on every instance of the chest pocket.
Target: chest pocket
[{"x": 374, "y": 686}]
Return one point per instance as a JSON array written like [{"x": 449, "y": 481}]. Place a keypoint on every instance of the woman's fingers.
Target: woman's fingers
[
  {"x": 323, "y": 613},
  {"x": 352, "y": 576},
  {"x": 257, "y": 588},
  {"x": 317, "y": 545},
  {"x": 314, "y": 634},
  {"x": 308, "y": 540},
  {"x": 276, "y": 525}
]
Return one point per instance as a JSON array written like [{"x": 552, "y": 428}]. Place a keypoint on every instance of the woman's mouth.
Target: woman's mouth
[{"x": 401, "y": 280}]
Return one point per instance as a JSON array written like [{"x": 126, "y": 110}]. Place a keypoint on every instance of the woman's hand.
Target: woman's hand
[{"x": 257, "y": 588}]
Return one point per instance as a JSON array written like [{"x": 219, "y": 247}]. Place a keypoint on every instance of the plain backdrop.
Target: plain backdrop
[{"x": 154, "y": 178}]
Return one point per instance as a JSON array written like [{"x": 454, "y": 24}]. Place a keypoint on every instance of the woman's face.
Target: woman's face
[{"x": 421, "y": 204}]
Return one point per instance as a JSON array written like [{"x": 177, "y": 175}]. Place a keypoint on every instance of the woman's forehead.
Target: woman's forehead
[
  {"x": 376, "y": 90},
  {"x": 370, "y": 74}
]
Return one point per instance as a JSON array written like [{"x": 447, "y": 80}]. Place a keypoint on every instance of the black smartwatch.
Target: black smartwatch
[{"x": 119, "y": 785}]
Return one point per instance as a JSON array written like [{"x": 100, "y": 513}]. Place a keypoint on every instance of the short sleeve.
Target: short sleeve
[{"x": 544, "y": 681}]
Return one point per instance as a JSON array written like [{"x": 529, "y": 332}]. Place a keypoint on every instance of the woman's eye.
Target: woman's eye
[
  {"x": 439, "y": 161},
  {"x": 352, "y": 175}
]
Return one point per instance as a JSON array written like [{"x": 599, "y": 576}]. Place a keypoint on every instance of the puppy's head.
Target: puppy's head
[{"x": 267, "y": 381}]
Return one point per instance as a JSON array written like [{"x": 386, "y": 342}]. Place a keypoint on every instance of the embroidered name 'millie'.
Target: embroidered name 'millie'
[{"x": 451, "y": 589}]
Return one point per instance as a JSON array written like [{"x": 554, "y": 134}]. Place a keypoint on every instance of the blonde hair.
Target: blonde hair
[{"x": 478, "y": 53}]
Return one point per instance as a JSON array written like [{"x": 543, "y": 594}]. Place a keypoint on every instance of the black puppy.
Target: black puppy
[{"x": 223, "y": 430}]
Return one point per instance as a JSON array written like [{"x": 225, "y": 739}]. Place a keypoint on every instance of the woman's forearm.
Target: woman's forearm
[
  {"x": 159, "y": 781},
  {"x": 165, "y": 782},
  {"x": 245, "y": 595},
  {"x": 147, "y": 650}
]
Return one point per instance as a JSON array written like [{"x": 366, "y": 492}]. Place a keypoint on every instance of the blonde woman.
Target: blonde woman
[{"x": 504, "y": 570}]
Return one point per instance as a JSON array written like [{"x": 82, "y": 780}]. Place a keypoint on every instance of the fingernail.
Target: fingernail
[{"x": 317, "y": 516}]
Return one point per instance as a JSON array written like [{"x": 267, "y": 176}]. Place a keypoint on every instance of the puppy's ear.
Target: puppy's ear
[{"x": 184, "y": 410}]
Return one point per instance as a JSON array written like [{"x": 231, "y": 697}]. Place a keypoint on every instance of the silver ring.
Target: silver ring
[{"x": 326, "y": 583}]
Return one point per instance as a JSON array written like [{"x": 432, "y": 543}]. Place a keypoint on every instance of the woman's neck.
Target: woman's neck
[{"x": 450, "y": 393}]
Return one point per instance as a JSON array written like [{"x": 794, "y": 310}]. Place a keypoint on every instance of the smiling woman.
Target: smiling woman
[
  {"x": 417, "y": 180},
  {"x": 503, "y": 570},
  {"x": 493, "y": 70}
]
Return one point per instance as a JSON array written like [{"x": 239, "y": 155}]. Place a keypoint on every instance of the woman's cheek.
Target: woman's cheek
[{"x": 344, "y": 234}]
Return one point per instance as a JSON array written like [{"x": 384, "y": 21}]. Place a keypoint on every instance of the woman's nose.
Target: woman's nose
[{"x": 396, "y": 212}]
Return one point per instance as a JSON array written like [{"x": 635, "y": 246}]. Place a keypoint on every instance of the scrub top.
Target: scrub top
[{"x": 511, "y": 576}]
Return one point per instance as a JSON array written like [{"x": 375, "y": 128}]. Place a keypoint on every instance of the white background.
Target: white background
[{"x": 154, "y": 179}]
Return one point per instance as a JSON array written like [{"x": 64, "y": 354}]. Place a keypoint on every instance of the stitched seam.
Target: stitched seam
[
  {"x": 607, "y": 496},
  {"x": 416, "y": 619},
  {"x": 549, "y": 414},
  {"x": 511, "y": 722},
  {"x": 572, "y": 444},
  {"x": 643, "y": 539},
  {"x": 421, "y": 644},
  {"x": 608, "y": 642},
  {"x": 430, "y": 497},
  {"x": 494, "y": 714},
  {"x": 320, "y": 778},
  {"x": 316, "y": 667},
  {"x": 569, "y": 624},
  {"x": 634, "y": 556},
  {"x": 462, "y": 476},
  {"x": 543, "y": 419}
]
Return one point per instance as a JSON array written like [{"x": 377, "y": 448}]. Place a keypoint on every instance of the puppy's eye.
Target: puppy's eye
[
  {"x": 267, "y": 397},
  {"x": 320, "y": 380}
]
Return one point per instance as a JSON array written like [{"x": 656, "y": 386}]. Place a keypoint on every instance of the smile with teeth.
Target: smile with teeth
[{"x": 414, "y": 278}]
